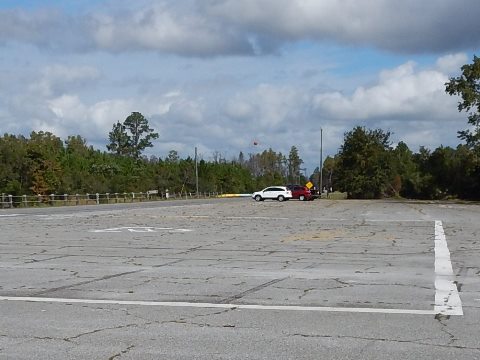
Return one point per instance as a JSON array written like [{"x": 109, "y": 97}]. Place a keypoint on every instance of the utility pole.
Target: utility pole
[
  {"x": 196, "y": 170},
  {"x": 321, "y": 163}
]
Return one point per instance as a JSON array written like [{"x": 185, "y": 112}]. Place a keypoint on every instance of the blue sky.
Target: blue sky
[{"x": 219, "y": 74}]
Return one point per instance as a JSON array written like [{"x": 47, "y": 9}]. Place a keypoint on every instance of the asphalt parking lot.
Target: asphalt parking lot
[{"x": 239, "y": 279}]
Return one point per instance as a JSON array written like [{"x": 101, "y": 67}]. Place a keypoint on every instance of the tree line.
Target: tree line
[
  {"x": 44, "y": 164},
  {"x": 366, "y": 165}
]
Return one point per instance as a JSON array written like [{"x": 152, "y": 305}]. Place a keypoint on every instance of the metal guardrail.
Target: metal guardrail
[{"x": 12, "y": 201}]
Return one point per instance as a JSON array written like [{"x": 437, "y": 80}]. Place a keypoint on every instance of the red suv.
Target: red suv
[{"x": 300, "y": 192}]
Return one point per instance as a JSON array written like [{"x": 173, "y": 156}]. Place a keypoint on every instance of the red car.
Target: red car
[{"x": 300, "y": 192}]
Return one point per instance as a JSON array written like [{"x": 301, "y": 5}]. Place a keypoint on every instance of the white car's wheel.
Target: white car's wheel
[
  {"x": 258, "y": 198},
  {"x": 281, "y": 198}
]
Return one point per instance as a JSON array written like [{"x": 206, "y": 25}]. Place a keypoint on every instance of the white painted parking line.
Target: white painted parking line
[
  {"x": 397, "y": 221},
  {"x": 140, "y": 229},
  {"x": 227, "y": 217},
  {"x": 320, "y": 220},
  {"x": 447, "y": 299},
  {"x": 222, "y": 306},
  {"x": 10, "y": 215}
]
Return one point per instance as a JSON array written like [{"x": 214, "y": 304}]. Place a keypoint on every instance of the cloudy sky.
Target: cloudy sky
[{"x": 221, "y": 74}]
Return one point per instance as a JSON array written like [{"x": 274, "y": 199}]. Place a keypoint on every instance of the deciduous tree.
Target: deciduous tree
[
  {"x": 364, "y": 168},
  {"x": 467, "y": 86}
]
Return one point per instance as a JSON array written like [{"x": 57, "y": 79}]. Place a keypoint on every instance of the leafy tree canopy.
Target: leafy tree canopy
[
  {"x": 132, "y": 136},
  {"x": 294, "y": 163},
  {"x": 364, "y": 166},
  {"x": 467, "y": 86}
]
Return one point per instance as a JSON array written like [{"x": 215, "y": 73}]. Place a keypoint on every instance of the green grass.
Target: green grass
[{"x": 336, "y": 195}]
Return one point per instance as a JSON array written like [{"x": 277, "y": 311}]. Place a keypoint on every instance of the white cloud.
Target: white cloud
[
  {"x": 216, "y": 27},
  {"x": 267, "y": 107},
  {"x": 231, "y": 27},
  {"x": 401, "y": 92},
  {"x": 406, "y": 26},
  {"x": 57, "y": 79},
  {"x": 96, "y": 120},
  {"x": 67, "y": 106},
  {"x": 189, "y": 111},
  {"x": 72, "y": 116},
  {"x": 46, "y": 28},
  {"x": 159, "y": 27},
  {"x": 451, "y": 63}
]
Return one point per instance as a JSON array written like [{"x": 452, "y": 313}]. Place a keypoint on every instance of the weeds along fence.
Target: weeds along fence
[{"x": 12, "y": 201}]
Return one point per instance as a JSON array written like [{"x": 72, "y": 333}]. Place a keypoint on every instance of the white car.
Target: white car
[{"x": 279, "y": 193}]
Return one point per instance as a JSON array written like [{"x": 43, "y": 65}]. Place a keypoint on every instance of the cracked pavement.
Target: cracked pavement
[{"x": 334, "y": 254}]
